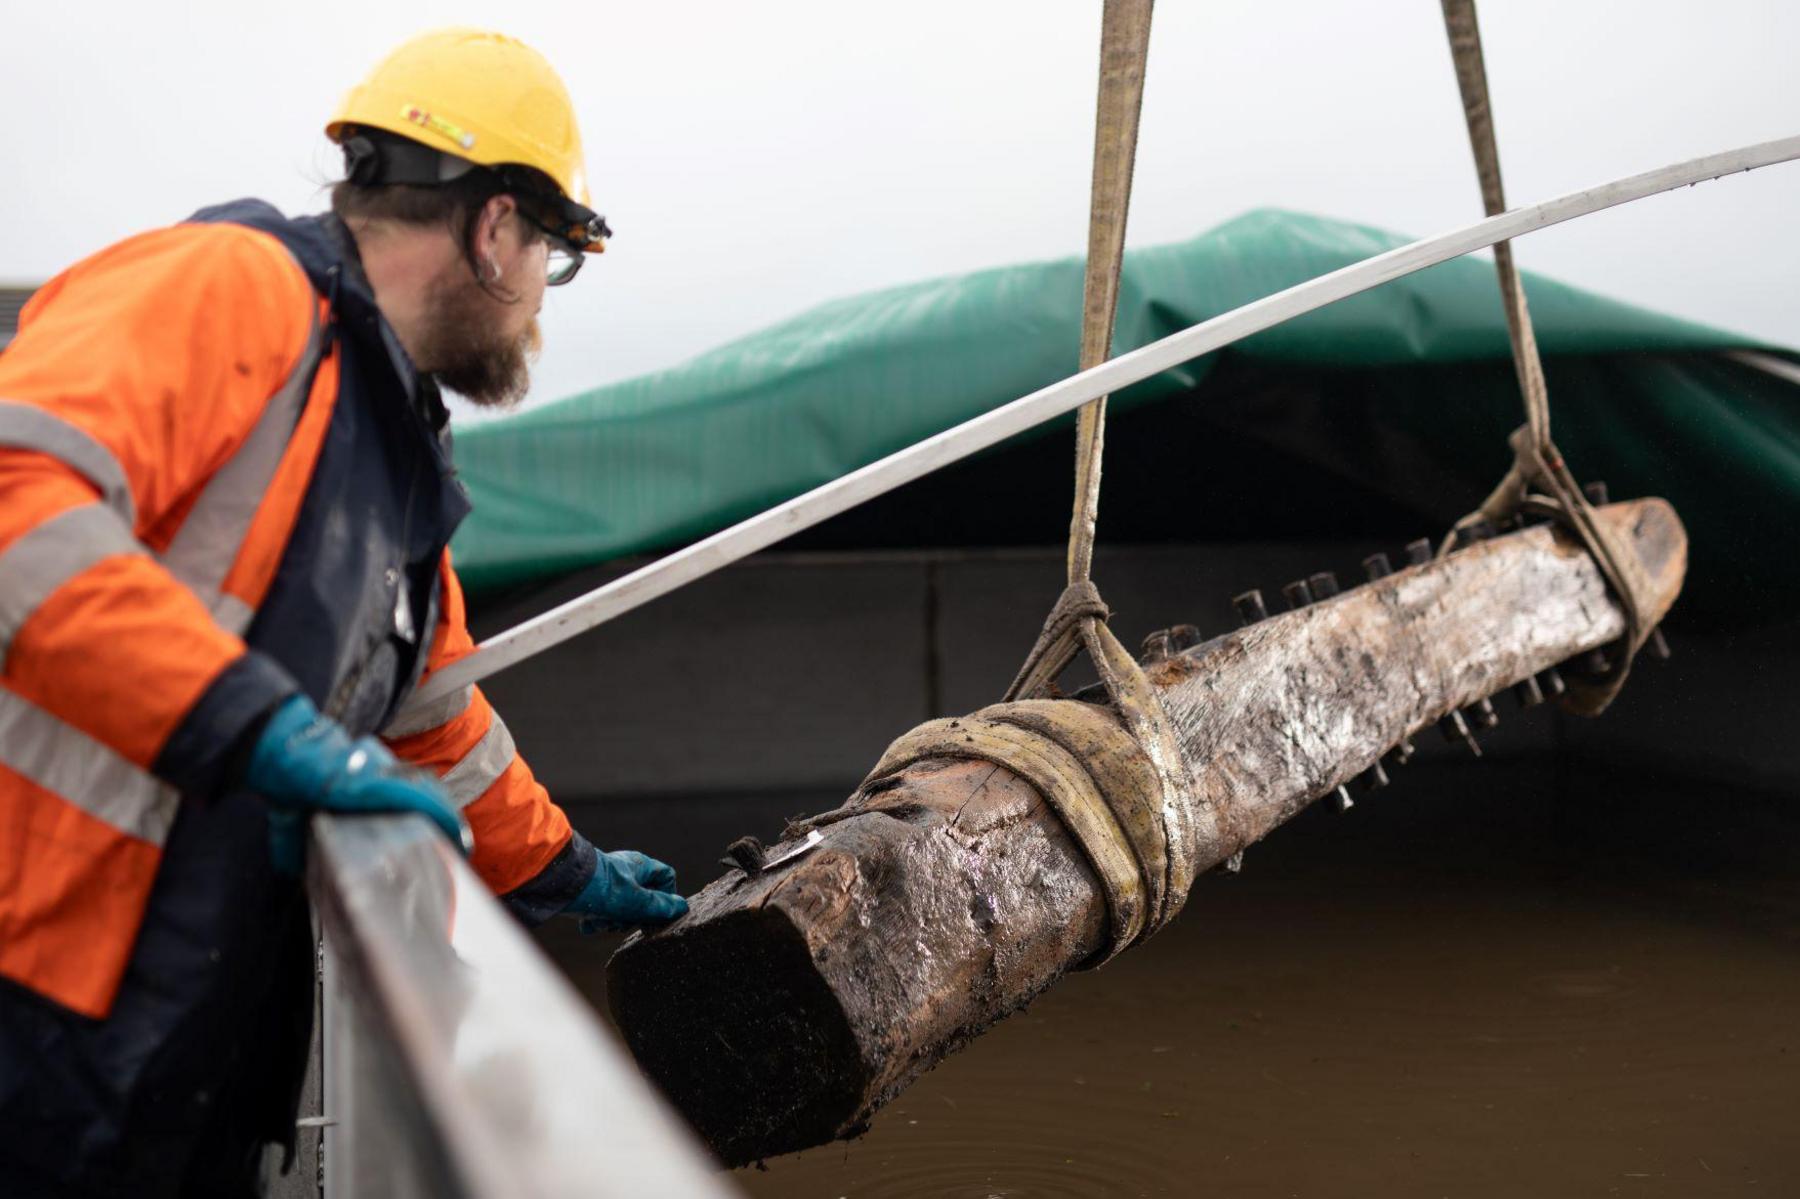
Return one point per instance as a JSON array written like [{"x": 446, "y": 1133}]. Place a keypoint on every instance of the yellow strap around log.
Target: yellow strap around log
[
  {"x": 1092, "y": 773},
  {"x": 1151, "y": 802}
]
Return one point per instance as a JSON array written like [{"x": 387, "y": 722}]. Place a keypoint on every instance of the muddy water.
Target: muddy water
[{"x": 1475, "y": 988}]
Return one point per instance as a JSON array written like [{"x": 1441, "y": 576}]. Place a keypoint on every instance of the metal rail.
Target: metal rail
[
  {"x": 741, "y": 540},
  {"x": 458, "y": 1062}
]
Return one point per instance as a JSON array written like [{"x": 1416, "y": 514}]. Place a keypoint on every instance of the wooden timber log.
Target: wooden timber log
[{"x": 792, "y": 1002}]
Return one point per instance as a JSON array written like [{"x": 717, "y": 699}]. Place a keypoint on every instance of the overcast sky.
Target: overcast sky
[{"x": 757, "y": 158}]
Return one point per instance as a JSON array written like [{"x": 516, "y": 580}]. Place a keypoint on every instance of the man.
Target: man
[{"x": 225, "y": 500}]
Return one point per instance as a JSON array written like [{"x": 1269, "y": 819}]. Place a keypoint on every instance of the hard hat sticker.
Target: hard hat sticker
[{"x": 439, "y": 125}]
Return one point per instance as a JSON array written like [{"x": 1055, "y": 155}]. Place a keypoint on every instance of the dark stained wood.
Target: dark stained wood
[{"x": 788, "y": 1006}]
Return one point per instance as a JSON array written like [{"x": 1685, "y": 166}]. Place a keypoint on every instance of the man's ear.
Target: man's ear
[{"x": 489, "y": 223}]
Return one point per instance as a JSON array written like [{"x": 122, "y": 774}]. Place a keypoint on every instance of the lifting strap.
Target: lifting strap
[
  {"x": 1124, "y": 47},
  {"x": 1078, "y": 620},
  {"x": 1090, "y": 771},
  {"x": 1536, "y": 461},
  {"x": 1114, "y": 775}
]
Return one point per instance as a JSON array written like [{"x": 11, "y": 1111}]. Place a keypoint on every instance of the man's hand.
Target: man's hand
[
  {"x": 627, "y": 889},
  {"x": 305, "y": 763}
]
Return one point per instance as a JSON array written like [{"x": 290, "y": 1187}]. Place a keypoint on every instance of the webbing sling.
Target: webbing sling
[
  {"x": 1536, "y": 460},
  {"x": 1124, "y": 49},
  {"x": 1091, "y": 772},
  {"x": 1115, "y": 776}
]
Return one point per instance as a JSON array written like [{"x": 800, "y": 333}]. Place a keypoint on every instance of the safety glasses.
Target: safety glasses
[
  {"x": 564, "y": 263},
  {"x": 565, "y": 256}
]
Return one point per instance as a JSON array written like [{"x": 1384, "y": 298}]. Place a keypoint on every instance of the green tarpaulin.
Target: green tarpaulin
[{"x": 641, "y": 465}]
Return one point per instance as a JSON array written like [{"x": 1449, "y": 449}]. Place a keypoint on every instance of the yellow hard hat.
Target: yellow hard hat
[{"x": 483, "y": 97}]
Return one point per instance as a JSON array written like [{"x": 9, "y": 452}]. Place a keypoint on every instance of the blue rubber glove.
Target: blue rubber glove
[
  {"x": 305, "y": 763},
  {"x": 627, "y": 889}
]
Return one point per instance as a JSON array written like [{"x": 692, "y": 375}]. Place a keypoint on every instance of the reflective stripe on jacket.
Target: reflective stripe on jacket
[
  {"x": 460, "y": 738},
  {"x": 174, "y": 560}
]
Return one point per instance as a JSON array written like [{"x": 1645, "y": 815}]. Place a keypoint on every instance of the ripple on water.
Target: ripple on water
[
  {"x": 1045, "y": 1157},
  {"x": 1579, "y": 984}
]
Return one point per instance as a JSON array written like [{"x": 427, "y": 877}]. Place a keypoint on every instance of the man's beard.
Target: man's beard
[{"x": 467, "y": 351}]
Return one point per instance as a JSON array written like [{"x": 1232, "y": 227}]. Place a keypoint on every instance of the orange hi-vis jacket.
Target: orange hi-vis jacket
[{"x": 220, "y": 483}]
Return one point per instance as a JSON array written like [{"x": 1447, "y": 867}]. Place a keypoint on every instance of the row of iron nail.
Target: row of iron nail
[{"x": 1458, "y": 725}]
